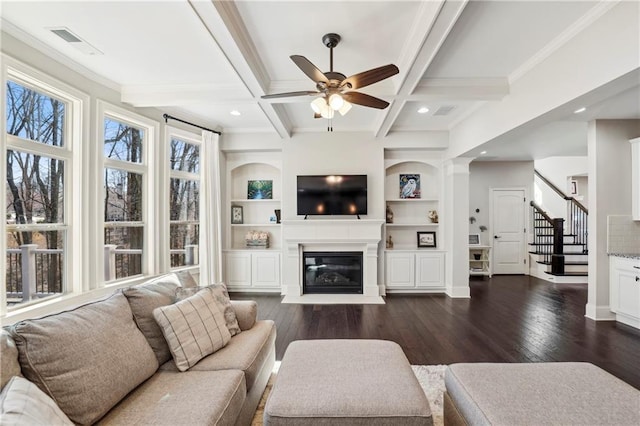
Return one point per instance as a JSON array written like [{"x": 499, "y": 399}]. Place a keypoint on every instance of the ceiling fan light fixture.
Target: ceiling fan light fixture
[
  {"x": 346, "y": 106},
  {"x": 327, "y": 113},
  {"x": 318, "y": 104},
  {"x": 336, "y": 102}
]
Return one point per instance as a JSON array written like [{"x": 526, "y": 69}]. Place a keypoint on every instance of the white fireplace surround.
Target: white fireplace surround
[{"x": 331, "y": 235}]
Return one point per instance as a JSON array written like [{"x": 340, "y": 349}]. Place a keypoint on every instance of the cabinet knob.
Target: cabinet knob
[{"x": 496, "y": 236}]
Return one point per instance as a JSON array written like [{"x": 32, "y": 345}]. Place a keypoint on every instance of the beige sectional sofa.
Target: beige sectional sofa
[{"x": 107, "y": 363}]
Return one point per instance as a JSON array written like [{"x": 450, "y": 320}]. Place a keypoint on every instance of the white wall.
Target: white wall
[
  {"x": 609, "y": 194},
  {"x": 333, "y": 153},
  {"x": 558, "y": 170},
  {"x": 484, "y": 175}
]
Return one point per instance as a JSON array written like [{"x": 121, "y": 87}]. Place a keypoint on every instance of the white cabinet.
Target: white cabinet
[
  {"x": 480, "y": 260},
  {"x": 624, "y": 287},
  {"x": 252, "y": 270},
  {"x": 414, "y": 270},
  {"x": 635, "y": 178}
]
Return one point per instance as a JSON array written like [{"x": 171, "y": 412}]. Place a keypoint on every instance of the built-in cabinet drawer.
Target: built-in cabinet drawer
[
  {"x": 624, "y": 287},
  {"x": 414, "y": 270},
  {"x": 246, "y": 270},
  {"x": 635, "y": 178}
]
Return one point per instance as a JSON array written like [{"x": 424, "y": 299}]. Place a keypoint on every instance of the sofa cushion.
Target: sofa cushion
[
  {"x": 248, "y": 351},
  {"x": 189, "y": 398},
  {"x": 193, "y": 328},
  {"x": 86, "y": 359},
  {"x": 246, "y": 313},
  {"x": 23, "y": 403},
  {"x": 143, "y": 299},
  {"x": 9, "y": 365}
]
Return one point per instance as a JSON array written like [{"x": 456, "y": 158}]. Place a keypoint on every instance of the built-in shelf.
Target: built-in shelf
[
  {"x": 410, "y": 200},
  {"x": 255, "y": 201},
  {"x": 249, "y": 225},
  {"x": 411, "y": 225}
]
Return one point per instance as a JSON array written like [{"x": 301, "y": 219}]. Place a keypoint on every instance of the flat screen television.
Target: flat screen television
[{"x": 332, "y": 195}]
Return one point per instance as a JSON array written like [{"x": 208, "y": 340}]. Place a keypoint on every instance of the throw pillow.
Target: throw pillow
[
  {"x": 193, "y": 328},
  {"x": 221, "y": 296},
  {"x": 186, "y": 279},
  {"x": 22, "y": 403},
  {"x": 143, "y": 299},
  {"x": 86, "y": 359}
]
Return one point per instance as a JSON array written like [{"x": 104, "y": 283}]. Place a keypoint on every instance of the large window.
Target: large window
[
  {"x": 38, "y": 158},
  {"x": 124, "y": 197},
  {"x": 184, "y": 201}
]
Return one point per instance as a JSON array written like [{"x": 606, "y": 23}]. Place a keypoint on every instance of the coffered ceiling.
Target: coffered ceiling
[{"x": 203, "y": 59}]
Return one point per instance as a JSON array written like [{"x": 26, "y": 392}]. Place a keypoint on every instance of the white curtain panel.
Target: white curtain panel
[{"x": 210, "y": 211}]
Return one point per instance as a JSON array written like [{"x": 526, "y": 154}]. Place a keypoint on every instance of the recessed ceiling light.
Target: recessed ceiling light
[
  {"x": 579, "y": 110},
  {"x": 235, "y": 112},
  {"x": 423, "y": 110},
  {"x": 483, "y": 152}
]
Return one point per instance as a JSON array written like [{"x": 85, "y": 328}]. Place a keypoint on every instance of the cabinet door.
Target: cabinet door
[
  {"x": 429, "y": 270},
  {"x": 628, "y": 293},
  {"x": 400, "y": 270},
  {"x": 238, "y": 270},
  {"x": 265, "y": 269}
]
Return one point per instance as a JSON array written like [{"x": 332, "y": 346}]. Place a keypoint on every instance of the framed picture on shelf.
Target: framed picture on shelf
[
  {"x": 426, "y": 239},
  {"x": 236, "y": 215},
  {"x": 260, "y": 190},
  {"x": 410, "y": 186},
  {"x": 474, "y": 239}
]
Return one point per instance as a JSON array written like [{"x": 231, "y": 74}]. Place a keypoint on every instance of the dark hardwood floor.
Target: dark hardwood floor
[{"x": 507, "y": 319}]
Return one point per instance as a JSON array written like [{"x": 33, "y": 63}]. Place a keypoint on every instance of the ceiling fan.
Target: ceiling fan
[{"x": 334, "y": 89}]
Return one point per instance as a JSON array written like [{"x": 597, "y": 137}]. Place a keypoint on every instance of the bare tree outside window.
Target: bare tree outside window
[
  {"x": 34, "y": 193},
  {"x": 184, "y": 203},
  {"x": 123, "y": 215}
]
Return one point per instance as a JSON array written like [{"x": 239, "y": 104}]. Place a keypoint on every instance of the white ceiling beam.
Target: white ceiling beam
[
  {"x": 223, "y": 21},
  {"x": 437, "y": 20},
  {"x": 184, "y": 94},
  {"x": 473, "y": 89}
]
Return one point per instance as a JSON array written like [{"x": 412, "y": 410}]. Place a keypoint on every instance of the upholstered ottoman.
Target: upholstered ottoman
[
  {"x": 563, "y": 393},
  {"x": 346, "y": 382}
]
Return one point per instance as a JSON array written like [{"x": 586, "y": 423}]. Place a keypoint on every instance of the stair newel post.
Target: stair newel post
[{"x": 557, "y": 258}]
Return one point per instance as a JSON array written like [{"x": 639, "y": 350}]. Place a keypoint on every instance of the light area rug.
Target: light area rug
[{"x": 430, "y": 377}]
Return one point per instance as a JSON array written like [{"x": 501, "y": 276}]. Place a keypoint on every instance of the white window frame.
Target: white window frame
[
  {"x": 148, "y": 168},
  {"x": 76, "y": 109},
  {"x": 194, "y": 139}
]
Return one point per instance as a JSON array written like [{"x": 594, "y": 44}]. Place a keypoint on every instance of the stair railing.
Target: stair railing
[
  {"x": 548, "y": 238},
  {"x": 577, "y": 215}
]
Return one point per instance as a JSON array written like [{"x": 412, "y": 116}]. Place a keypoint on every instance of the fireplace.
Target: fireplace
[{"x": 332, "y": 272}]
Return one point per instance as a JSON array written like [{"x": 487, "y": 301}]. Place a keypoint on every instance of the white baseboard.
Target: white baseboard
[
  {"x": 459, "y": 292},
  {"x": 599, "y": 313}
]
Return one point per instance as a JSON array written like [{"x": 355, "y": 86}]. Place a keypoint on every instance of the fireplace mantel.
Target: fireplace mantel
[{"x": 337, "y": 235}]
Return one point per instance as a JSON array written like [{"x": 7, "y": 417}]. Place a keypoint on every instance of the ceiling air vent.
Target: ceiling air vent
[
  {"x": 444, "y": 110},
  {"x": 75, "y": 41}
]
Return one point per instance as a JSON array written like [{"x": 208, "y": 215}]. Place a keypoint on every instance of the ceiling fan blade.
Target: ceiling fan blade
[
  {"x": 309, "y": 69},
  {"x": 365, "y": 100},
  {"x": 290, "y": 94},
  {"x": 366, "y": 78}
]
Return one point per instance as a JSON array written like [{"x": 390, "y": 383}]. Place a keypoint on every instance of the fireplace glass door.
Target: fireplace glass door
[{"x": 332, "y": 272}]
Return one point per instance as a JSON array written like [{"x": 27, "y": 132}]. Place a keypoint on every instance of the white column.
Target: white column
[
  {"x": 609, "y": 156},
  {"x": 456, "y": 224}
]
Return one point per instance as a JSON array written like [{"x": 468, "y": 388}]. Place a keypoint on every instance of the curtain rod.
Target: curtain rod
[{"x": 170, "y": 117}]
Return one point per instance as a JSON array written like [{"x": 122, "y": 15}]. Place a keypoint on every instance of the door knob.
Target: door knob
[
  {"x": 637, "y": 279},
  {"x": 496, "y": 236}
]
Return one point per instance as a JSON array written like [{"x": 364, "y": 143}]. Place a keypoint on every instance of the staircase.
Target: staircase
[{"x": 559, "y": 249}]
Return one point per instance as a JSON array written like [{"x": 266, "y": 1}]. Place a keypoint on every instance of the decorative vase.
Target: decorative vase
[
  {"x": 476, "y": 256},
  {"x": 433, "y": 216},
  {"x": 389, "y": 242},
  {"x": 277, "y": 211},
  {"x": 389, "y": 214}
]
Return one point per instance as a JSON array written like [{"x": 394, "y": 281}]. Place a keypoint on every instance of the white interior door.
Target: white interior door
[{"x": 508, "y": 219}]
